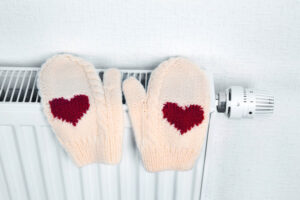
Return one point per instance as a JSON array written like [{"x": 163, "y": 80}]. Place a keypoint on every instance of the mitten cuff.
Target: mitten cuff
[
  {"x": 83, "y": 151},
  {"x": 95, "y": 149},
  {"x": 110, "y": 148},
  {"x": 158, "y": 159}
]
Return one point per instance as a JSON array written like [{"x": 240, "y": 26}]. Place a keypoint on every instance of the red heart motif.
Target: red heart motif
[
  {"x": 70, "y": 110},
  {"x": 183, "y": 118}
]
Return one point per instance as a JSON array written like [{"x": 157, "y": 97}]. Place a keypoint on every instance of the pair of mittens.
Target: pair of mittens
[
  {"x": 170, "y": 120},
  {"x": 86, "y": 115}
]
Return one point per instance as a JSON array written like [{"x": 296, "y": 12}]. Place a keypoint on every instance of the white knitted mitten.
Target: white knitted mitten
[
  {"x": 170, "y": 120},
  {"x": 86, "y": 117}
]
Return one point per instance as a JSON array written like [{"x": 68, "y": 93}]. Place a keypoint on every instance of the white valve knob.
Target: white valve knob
[{"x": 238, "y": 102}]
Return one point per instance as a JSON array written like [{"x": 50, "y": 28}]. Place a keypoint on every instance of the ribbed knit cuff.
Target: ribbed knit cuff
[
  {"x": 158, "y": 159},
  {"x": 110, "y": 149},
  {"x": 83, "y": 151},
  {"x": 95, "y": 149}
]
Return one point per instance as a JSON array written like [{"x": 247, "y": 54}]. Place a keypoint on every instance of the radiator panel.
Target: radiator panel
[{"x": 34, "y": 166}]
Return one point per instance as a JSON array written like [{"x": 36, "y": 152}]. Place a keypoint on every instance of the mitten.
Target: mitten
[
  {"x": 85, "y": 115},
  {"x": 170, "y": 120}
]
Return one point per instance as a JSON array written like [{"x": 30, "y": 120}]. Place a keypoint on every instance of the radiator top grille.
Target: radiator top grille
[{"x": 19, "y": 84}]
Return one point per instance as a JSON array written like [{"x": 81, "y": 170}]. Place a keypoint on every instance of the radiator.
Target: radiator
[{"x": 33, "y": 165}]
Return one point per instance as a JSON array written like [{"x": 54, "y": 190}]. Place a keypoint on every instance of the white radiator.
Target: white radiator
[{"x": 33, "y": 165}]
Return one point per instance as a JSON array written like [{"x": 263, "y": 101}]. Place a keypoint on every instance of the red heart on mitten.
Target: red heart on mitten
[
  {"x": 70, "y": 110},
  {"x": 183, "y": 118}
]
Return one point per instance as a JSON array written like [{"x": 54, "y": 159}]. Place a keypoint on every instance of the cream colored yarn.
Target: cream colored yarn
[
  {"x": 97, "y": 137},
  {"x": 161, "y": 145}
]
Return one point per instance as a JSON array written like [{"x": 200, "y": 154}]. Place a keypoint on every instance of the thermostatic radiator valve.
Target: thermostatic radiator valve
[{"x": 238, "y": 102}]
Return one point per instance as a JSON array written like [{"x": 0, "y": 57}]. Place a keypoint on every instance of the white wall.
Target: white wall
[{"x": 251, "y": 42}]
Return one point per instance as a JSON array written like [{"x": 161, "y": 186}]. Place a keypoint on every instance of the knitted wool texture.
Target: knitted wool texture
[
  {"x": 86, "y": 116},
  {"x": 170, "y": 120}
]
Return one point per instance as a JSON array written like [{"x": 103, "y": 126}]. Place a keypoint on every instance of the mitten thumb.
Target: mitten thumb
[
  {"x": 135, "y": 96},
  {"x": 113, "y": 95}
]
